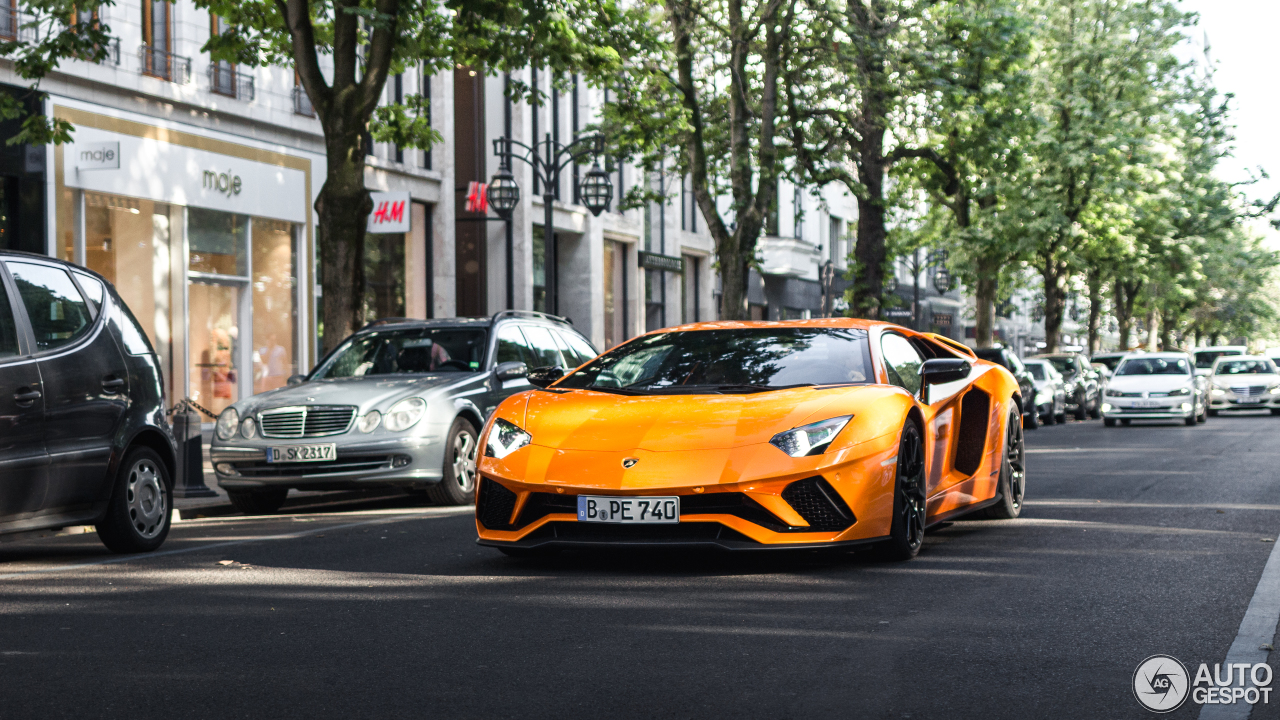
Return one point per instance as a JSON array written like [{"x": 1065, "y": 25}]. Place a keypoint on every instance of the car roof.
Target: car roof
[{"x": 1233, "y": 358}]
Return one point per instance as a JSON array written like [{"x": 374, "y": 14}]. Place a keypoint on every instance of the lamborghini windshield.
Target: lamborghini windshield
[{"x": 729, "y": 361}]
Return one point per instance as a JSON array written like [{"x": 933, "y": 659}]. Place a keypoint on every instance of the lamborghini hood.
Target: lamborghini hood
[{"x": 592, "y": 420}]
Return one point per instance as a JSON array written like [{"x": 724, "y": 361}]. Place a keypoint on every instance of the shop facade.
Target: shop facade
[{"x": 204, "y": 237}]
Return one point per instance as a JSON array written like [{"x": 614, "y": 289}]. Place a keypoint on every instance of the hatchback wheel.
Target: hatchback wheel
[
  {"x": 458, "y": 484},
  {"x": 137, "y": 518}
]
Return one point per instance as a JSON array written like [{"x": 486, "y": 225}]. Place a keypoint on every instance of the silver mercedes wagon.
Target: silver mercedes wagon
[{"x": 399, "y": 403}]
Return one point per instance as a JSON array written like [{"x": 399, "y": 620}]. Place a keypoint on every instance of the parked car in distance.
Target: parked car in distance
[
  {"x": 1110, "y": 360},
  {"x": 84, "y": 438},
  {"x": 1051, "y": 391},
  {"x": 1205, "y": 356},
  {"x": 1082, "y": 383},
  {"x": 1007, "y": 359},
  {"x": 1244, "y": 382},
  {"x": 1154, "y": 386},
  {"x": 398, "y": 404}
]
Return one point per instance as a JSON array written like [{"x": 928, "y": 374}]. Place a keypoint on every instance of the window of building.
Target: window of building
[
  {"x": 426, "y": 94},
  {"x": 615, "y": 293},
  {"x": 275, "y": 308},
  {"x": 384, "y": 278},
  {"x": 157, "y": 35},
  {"x": 222, "y": 74},
  {"x": 692, "y": 292},
  {"x": 539, "y": 270},
  {"x": 835, "y": 240}
]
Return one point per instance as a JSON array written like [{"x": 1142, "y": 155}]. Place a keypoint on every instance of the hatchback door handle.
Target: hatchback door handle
[
  {"x": 112, "y": 383},
  {"x": 26, "y": 397}
]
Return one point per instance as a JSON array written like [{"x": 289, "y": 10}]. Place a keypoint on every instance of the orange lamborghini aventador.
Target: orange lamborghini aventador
[{"x": 754, "y": 435}]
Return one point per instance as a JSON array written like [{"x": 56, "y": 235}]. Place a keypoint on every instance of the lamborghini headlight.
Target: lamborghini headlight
[
  {"x": 812, "y": 439},
  {"x": 505, "y": 438},
  {"x": 405, "y": 414},
  {"x": 227, "y": 425}
]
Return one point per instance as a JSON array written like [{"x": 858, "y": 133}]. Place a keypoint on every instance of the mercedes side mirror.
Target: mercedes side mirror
[
  {"x": 296, "y": 380},
  {"x": 544, "y": 376},
  {"x": 943, "y": 370},
  {"x": 513, "y": 370}
]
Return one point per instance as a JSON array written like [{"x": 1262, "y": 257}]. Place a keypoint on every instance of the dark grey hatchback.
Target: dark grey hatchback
[{"x": 83, "y": 434}]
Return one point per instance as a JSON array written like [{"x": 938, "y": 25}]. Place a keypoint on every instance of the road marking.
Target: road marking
[
  {"x": 228, "y": 543},
  {"x": 1258, "y": 628}
]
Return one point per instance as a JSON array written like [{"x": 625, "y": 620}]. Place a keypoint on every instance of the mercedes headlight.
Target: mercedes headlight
[
  {"x": 405, "y": 414},
  {"x": 248, "y": 428},
  {"x": 1217, "y": 391},
  {"x": 505, "y": 438},
  {"x": 228, "y": 423},
  {"x": 812, "y": 439},
  {"x": 369, "y": 422}
]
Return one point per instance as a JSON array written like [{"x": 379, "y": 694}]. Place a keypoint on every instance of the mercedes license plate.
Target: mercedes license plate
[
  {"x": 302, "y": 453},
  {"x": 628, "y": 510}
]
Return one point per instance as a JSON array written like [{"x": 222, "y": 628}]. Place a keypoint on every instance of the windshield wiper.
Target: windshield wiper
[
  {"x": 616, "y": 390},
  {"x": 748, "y": 387}
]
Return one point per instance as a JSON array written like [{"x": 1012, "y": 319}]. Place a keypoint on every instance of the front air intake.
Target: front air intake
[
  {"x": 494, "y": 505},
  {"x": 819, "y": 504}
]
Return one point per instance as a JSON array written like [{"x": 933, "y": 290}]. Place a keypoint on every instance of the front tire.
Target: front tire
[
  {"x": 906, "y": 533},
  {"x": 1013, "y": 474},
  {"x": 1031, "y": 420},
  {"x": 458, "y": 484},
  {"x": 1096, "y": 412},
  {"x": 1190, "y": 421},
  {"x": 139, "y": 511},
  {"x": 1082, "y": 409},
  {"x": 258, "y": 502}
]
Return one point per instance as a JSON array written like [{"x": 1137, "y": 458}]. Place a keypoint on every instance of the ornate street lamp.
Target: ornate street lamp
[
  {"x": 504, "y": 193},
  {"x": 942, "y": 281},
  {"x": 596, "y": 190}
]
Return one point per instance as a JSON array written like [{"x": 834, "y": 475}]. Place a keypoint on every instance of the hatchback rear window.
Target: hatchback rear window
[{"x": 57, "y": 311}]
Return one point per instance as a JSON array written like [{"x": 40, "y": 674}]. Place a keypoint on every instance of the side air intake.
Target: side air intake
[
  {"x": 971, "y": 438},
  {"x": 819, "y": 504},
  {"x": 494, "y": 505}
]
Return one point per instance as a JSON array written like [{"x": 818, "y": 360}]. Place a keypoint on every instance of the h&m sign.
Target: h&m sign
[{"x": 391, "y": 212}]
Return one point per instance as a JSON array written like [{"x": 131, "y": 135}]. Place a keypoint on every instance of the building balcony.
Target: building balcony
[
  {"x": 159, "y": 63},
  {"x": 227, "y": 80}
]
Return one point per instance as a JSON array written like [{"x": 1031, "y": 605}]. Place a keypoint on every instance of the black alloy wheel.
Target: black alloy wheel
[
  {"x": 906, "y": 533},
  {"x": 1082, "y": 406},
  {"x": 1013, "y": 473},
  {"x": 1031, "y": 420},
  {"x": 1096, "y": 412}
]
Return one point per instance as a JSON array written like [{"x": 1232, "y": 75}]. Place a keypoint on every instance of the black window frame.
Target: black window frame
[
  {"x": 33, "y": 347},
  {"x": 26, "y": 342}
]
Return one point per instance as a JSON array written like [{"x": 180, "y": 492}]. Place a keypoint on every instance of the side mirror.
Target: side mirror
[
  {"x": 544, "y": 376},
  {"x": 295, "y": 380},
  {"x": 513, "y": 370},
  {"x": 943, "y": 370}
]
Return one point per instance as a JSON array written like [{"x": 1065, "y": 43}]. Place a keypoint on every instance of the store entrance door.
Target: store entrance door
[{"x": 217, "y": 326}]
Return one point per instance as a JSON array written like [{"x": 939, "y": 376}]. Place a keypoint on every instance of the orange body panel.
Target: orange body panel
[{"x": 701, "y": 444}]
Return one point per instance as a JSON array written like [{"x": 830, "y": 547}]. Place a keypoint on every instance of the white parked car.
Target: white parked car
[
  {"x": 1154, "y": 386},
  {"x": 1244, "y": 382}
]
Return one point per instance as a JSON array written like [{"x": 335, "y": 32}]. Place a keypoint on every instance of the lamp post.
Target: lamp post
[
  {"x": 941, "y": 280},
  {"x": 547, "y": 159}
]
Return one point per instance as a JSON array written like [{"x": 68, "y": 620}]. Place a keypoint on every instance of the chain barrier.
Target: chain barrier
[{"x": 188, "y": 403}]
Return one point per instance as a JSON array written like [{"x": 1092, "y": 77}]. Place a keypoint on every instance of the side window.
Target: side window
[
  {"x": 93, "y": 290},
  {"x": 512, "y": 347},
  {"x": 57, "y": 312},
  {"x": 8, "y": 326},
  {"x": 901, "y": 362},
  {"x": 545, "y": 352},
  {"x": 582, "y": 347}
]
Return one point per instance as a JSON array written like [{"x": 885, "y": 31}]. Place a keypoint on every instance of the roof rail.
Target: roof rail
[
  {"x": 386, "y": 321},
  {"x": 531, "y": 314}
]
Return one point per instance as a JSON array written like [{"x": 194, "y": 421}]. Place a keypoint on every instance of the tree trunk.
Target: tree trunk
[
  {"x": 1166, "y": 331},
  {"x": 985, "y": 301},
  {"x": 342, "y": 208},
  {"x": 1053, "y": 273},
  {"x": 1095, "y": 312},
  {"x": 733, "y": 294},
  {"x": 869, "y": 250},
  {"x": 1152, "y": 337}
]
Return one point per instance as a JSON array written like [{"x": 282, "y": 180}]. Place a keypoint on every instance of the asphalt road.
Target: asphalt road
[{"x": 1134, "y": 541}]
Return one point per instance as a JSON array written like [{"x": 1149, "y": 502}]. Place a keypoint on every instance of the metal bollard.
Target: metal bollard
[{"x": 189, "y": 482}]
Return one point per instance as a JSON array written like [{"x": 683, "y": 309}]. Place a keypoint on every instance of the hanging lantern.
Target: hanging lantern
[
  {"x": 942, "y": 281},
  {"x": 504, "y": 193},
  {"x": 596, "y": 190}
]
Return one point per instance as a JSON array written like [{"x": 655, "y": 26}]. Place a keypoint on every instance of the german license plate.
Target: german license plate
[
  {"x": 628, "y": 510},
  {"x": 302, "y": 453},
  {"x": 1147, "y": 403}
]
